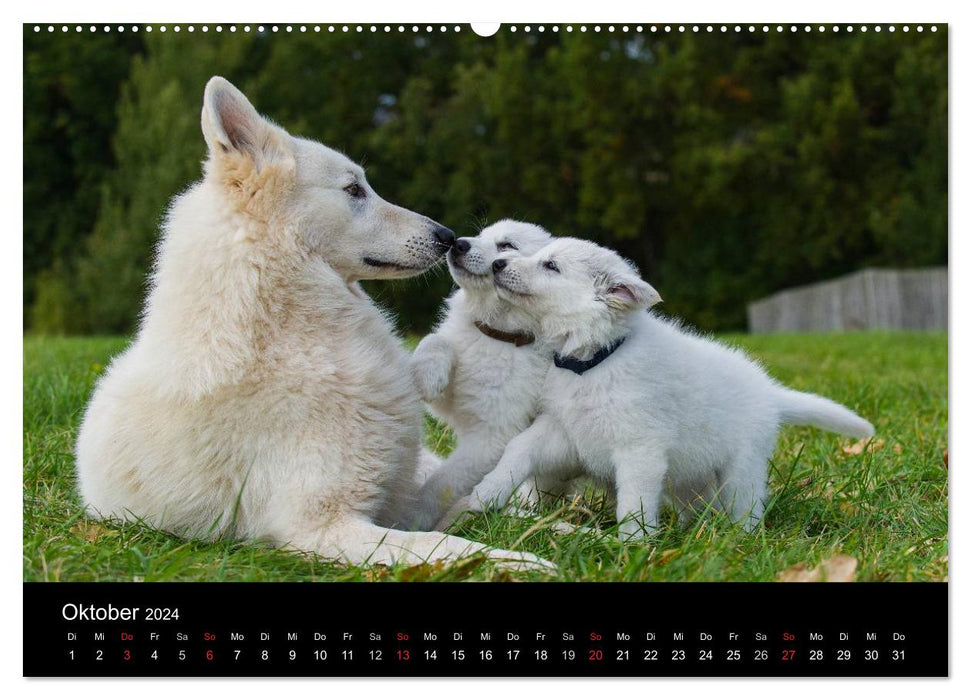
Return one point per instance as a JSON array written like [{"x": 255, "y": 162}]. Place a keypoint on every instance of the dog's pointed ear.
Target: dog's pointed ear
[
  {"x": 627, "y": 292},
  {"x": 232, "y": 126}
]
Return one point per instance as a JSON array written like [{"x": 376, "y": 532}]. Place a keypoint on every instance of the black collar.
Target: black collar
[
  {"x": 581, "y": 366},
  {"x": 517, "y": 338}
]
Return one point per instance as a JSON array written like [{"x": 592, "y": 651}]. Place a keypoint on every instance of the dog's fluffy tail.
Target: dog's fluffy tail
[{"x": 799, "y": 408}]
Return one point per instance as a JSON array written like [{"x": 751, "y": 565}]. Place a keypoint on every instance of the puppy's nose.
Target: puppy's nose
[
  {"x": 499, "y": 265},
  {"x": 444, "y": 236},
  {"x": 462, "y": 245}
]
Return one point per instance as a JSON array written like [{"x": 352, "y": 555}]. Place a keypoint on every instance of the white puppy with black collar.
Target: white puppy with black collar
[
  {"x": 637, "y": 400},
  {"x": 479, "y": 371}
]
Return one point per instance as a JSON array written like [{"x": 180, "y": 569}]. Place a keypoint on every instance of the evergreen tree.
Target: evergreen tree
[
  {"x": 71, "y": 87},
  {"x": 159, "y": 149}
]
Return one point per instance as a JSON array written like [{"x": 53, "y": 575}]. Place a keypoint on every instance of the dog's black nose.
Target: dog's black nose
[
  {"x": 444, "y": 236},
  {"x": 499, "y": 265},
  {"x": 462, "y": 245}
]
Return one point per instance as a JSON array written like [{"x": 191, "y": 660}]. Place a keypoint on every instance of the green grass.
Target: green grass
[{"x": 886, "y": 508}]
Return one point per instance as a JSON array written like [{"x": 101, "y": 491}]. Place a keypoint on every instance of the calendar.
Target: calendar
[
  {"x": 468, "y": 629},
  {"x": 546, "y": 349}
]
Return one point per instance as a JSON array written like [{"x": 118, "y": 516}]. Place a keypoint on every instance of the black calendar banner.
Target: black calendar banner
[{"x": 470, "y": 629}]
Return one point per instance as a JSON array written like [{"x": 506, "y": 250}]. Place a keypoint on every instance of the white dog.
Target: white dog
[
  {"x": 638, "y": 401},
  {"x": 265, "y": 396},
  {"x": 479, "y": 372}
]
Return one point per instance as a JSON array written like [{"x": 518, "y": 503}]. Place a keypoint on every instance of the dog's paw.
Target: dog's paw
[
  {"x": 431, "y": 377},
  {"x": 459, "y": 512},
  {"x": 483, "y": 500},
  {"x": 520, "y": 561},
  {"x": 565, "y": 528}
]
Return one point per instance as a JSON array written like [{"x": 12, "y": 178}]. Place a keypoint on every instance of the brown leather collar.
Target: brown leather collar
[{"x": 519, "y": 338}]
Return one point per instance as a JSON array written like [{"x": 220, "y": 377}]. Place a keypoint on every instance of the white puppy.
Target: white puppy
[
  {"x": 479, "y": 372},
  {"x": 265, "y": 396},
  {"x": 639, "y": 401}
]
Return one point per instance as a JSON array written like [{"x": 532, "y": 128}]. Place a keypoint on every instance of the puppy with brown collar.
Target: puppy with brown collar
[{"x": 480, "y": 372}]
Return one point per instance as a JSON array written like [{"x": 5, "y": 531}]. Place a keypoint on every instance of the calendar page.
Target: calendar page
[{"x": 547, "y": 349}]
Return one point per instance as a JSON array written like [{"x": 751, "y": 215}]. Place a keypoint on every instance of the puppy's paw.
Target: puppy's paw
[
  {"x": 431, "y": 377},
  {"x": 484, "y": 499},
  {"x": 460, "y": 511}
]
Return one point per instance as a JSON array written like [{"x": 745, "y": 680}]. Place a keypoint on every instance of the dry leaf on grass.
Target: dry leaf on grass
[
  {"x": 459, "y": 569},
  {"x": 868, "y": 444},
  {"x": 378, "y": 572},
  {"x": 90, "y": 531},
  {"x": 421, "y": 572},
  {"x": 503, "y": 576},
  {"x": 838, "y": 568},
  {"x": 466, "y": 567}
]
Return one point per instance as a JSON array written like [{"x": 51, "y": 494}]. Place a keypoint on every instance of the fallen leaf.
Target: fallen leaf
[
  {"x": 838, "y": 568},
  {"x": 90, "y": 531},
  {"x": 868, "y": 444},
  {"x": 465, "y": 567},
  {"x": 503, "y": 576},
  {"x": 945, "y": 457},
  {"x": 377, "y": 572},
  {"x": 795, "y": 574},
  {"x": 421, "y": 572},
  {"x": 898, "y": 449}
]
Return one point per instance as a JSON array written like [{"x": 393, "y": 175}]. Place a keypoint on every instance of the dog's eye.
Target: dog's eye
[
  {"x": 551, "y": 266},
  {"x": 505, "y": 245},
  {"x": 355, "y": 190}
]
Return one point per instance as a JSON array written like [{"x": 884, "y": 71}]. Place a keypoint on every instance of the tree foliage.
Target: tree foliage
[
  {"x": 727, "y": 166},
  {"x": 71, "y": 87}
]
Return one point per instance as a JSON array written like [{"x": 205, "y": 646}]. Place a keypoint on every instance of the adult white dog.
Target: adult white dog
[
  {"x": 265, "y": 396},
  {"x": 479, "y": 371},
  {"x": 638, "y": 401}
]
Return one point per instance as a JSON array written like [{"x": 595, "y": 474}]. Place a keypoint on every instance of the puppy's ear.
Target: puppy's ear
[
  {"x": 628, "y": 292},
  {"x": 232, "y": 126}
]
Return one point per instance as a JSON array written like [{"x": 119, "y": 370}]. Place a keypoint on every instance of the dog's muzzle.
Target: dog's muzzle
[
  {"x": 444, "y": 237},
  {"x": 466, "y": 259}
]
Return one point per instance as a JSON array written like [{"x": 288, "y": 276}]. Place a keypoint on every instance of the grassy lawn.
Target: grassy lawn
[{"x": 886, "y": 507}]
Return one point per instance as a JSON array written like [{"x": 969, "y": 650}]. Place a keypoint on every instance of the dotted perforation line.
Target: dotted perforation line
[
  {"x": 724, "y": 28},
  {"x": 246, "y": 28},
  {"x": 415, "y": 28}
]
